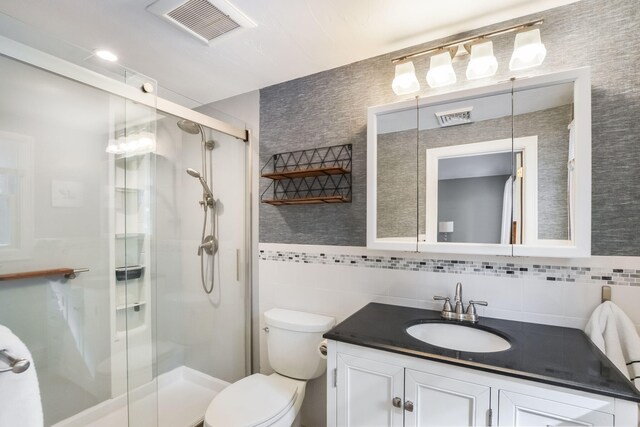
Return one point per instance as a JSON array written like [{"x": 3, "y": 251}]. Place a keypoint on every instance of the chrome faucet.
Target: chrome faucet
[{"x": 459, "y": 313}]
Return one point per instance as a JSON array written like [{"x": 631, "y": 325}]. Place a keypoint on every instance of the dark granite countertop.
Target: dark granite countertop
[{"x": 554, "y": 355}]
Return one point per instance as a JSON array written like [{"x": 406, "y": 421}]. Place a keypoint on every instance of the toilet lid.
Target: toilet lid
[{"x": 252, "y": 401}]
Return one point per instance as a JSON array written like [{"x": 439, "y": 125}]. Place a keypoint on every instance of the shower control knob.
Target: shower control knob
[{"x": 209, "y": 245}]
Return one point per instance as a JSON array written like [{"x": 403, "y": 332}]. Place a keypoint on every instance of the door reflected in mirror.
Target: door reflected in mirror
[{"x": 481, "y": 192}]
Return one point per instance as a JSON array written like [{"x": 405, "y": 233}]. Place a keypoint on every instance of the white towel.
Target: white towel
[
  {"x": 20, "y": 403},
  {"x": 616, "y": 336},
  {"x": 507, "y": 207}
]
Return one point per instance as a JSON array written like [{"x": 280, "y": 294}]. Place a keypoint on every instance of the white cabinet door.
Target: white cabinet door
[
  {"x": 441, "y": 401},
  {"x": 521, "y": 410},
  {"x": 365, "y": 392}
]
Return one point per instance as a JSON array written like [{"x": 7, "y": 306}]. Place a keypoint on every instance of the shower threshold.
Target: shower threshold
[{"x": 180, "y": 400}]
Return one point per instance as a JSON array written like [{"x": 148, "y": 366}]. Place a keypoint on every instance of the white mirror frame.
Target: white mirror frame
[{"x": 579, "y": 247}]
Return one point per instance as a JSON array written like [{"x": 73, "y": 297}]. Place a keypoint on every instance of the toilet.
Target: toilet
[{"x": 274, "y": 400}]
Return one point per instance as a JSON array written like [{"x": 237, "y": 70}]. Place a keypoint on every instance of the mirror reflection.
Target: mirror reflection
[
  {"x": 465, "y": 155},
  {"x": 546, "y": 114},
  {"x": 474, "y": 197},
  {"x": 397, "y": 176}
]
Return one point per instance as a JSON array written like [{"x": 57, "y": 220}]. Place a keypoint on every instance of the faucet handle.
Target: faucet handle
[
  {"x": 479, "y": 303},
  {"x": 471, "y": 308},
  {"x": 447, "y": 304}
]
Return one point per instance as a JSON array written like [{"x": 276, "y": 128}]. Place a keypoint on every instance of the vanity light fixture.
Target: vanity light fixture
[
  {"x": 441, "y": 71},
  {"x": 482, "y": 63},
  {"x": 528, "y": 52},
  {"x": 405, "y": 81},
  {"x": 106, "y": 55}
]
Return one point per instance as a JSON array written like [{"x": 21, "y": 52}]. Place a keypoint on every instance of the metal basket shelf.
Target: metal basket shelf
[{"x": 314, "y": 176}]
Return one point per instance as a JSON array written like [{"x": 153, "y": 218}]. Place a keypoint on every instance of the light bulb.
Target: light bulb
[
  {"x": 441, "y": 71},
  {"x": 482, "y": 62},
  {"x": 528, "y": 50},
  {"x": 405, "y": 80}
]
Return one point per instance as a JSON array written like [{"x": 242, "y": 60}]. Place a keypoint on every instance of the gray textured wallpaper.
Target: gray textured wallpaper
[{"x": 331, "y": 108}]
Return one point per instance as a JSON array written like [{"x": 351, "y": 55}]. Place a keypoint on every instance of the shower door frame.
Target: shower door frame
[{"x": 47, "y": 62}]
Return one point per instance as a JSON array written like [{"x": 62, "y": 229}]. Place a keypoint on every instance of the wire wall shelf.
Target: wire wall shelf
[{"x": 314, "y": 176}]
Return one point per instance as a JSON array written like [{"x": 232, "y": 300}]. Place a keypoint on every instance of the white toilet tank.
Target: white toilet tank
[{"x": 292, "y": 342}]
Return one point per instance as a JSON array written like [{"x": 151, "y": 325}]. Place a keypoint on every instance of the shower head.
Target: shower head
[
  {"x": 207, "y": 191},
  {"x": 189, "y": 127},
  {"x": 194, "y": 173}
]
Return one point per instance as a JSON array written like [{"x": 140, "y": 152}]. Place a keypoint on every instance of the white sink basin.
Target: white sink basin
[{"x": 458, "y": 337}]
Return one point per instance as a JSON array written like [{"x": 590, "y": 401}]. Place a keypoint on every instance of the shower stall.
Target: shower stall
[{"x": 93, "y": 179}]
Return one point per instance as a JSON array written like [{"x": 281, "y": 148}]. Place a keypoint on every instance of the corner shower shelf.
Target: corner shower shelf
[
  {"x": 314, "y": 176},
  {"x": 134, "y": 305},
  {"x": 130, "y": 235}
]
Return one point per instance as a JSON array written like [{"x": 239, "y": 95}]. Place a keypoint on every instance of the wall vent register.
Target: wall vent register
[{"x": 203, "y": 19}]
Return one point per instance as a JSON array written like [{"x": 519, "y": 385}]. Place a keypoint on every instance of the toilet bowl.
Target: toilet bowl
[
  {"x": 257, "y": 400},
  {"x": 275, "y": 400}
]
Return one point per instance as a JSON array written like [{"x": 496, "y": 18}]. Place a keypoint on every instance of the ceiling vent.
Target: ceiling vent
[
  {"x": 460, "y": 116},
  {"x": 203, "y": 19}
]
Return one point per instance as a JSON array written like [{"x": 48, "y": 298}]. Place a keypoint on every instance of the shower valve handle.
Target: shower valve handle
[{"x": 209, "y": 245}]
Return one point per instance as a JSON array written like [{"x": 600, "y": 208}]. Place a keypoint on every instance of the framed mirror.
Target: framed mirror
[
  {"x": 556, "y": 111},
  {"x": 393, "y": 170},
  {"x": 465, "y": 154},
  {"x": 501, "y": 170}
]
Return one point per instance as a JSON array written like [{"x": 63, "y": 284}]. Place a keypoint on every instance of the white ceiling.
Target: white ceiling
[{"x": 293, "y": 38}]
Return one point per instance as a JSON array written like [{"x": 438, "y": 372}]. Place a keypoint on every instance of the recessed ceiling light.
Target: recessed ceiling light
[{"x": 106, "y": 55}]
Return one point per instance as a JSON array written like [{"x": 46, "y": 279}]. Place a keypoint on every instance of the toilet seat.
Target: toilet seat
[{"x": 255, "y": 401}]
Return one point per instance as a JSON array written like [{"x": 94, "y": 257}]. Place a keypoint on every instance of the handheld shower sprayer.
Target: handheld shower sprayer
[
  {"x": 209, "y": 242},
  {"x": 208, "y": 194}
]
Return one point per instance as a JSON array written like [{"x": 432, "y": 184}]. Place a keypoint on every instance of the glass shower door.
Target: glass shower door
[
  {"x": 201, "y": 337},
  {"x": 133, "y": 174},
  {"x": 54, "y": 210}
]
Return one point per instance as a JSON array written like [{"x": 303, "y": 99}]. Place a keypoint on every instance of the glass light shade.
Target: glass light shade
[
  {"x": 528, "y": 50},
  {"x": 482, "y": 62},
  {"x": 441, "y": 71},
  {"x": 405, "y": 80}
]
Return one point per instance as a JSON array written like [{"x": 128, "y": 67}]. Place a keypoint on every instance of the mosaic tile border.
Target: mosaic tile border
[{"x": 557, "y": 273}]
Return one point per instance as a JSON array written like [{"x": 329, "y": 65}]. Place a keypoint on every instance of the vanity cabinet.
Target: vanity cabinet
[
  {"x": 367, "y": 391},
  {"x": 441, "y": 401},
  {"x": 521, "y": 410},
  {"x": 373, "y": 393},
  {"x": 368, "y": 387}
]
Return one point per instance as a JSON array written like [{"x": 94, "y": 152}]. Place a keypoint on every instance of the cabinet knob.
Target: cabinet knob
[
  {"x": 397, "y": 402},
  {"x": 408, "y": 406}
]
